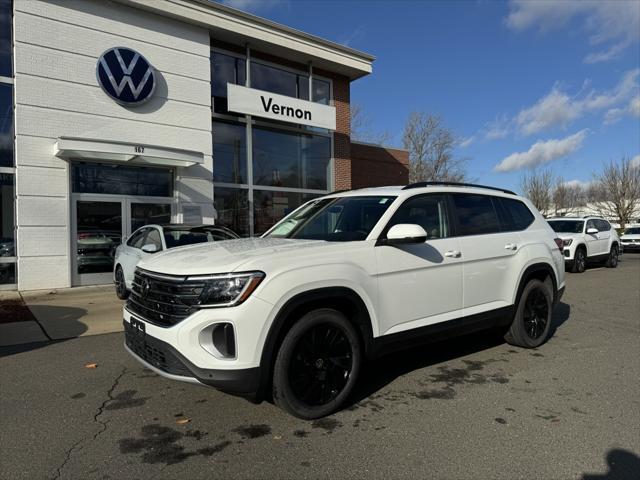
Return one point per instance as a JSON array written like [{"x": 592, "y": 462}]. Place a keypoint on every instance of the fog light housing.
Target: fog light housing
[{"x": 224, "y": 340}]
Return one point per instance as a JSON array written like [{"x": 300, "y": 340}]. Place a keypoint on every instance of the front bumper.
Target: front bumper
[
  {"x": 165, "y": 360},
  {"x": 630, "y": 247}
]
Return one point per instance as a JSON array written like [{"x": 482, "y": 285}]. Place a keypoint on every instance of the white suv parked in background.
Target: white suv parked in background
[
  {"x": 588, "y": 239},
  {"x": 345, "y": 278}
]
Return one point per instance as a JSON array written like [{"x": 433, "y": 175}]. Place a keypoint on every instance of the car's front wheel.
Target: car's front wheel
[
  {"x": 121, "y": 285},
  {"x": 579, "y": 261},
  {"x": 532, "y": 320},
  {"x": 317, "y": 364}
]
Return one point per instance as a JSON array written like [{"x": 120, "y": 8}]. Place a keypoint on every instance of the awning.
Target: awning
[{"x": 101, "y": 150}]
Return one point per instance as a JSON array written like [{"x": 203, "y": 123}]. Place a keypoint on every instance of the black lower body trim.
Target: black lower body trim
[
  {"x": 442, "y": 330},
  {"x": 167, "y": 359}
]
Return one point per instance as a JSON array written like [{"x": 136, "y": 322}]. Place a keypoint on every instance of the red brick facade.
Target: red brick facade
[{"x": 377, "y": 166}]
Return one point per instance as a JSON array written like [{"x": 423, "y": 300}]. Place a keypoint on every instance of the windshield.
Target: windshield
[
  {"x": 178, "y": 237},
  {"x": 342, "y": 219},
  {"x": 567, "y": 226},
  {"x": 632, "y": 231}
]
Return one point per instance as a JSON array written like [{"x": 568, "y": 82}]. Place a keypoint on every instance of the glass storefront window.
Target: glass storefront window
[
  {"x": 283, "y": 82},
  {"x": 225, "y": 69},
  {"x": 286, "y": 159},
  {"x": 232, "y": 206},
  {"x": 7, "y": 225},
  {"x": 6, "y": 125},
  {"x": 122, "y": 180},
  {"x": 147, "y": 213},
  {"x": 229, "y": 152},
  {"x": 321, "y": 91},
  {"x": 6, "y": 64},
  {"x": 270, "y": 207}
]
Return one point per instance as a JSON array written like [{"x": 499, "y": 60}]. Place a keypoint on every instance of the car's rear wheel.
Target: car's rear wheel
[
  {"x": 121, "y": 285},
  {"x": 579, "y": 261},
  {"x": 612, "y": 261},
  {"x": 317, "y": 365},
  {"x": 532, "y": 320}
]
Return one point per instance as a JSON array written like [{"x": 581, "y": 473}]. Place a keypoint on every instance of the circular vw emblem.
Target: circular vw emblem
[
  {"x": 145, "y": 286},
  {"x": 126, "y": 76}
]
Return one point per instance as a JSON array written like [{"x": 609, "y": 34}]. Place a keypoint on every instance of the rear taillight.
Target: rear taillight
[{"x": 559, "y": 243}]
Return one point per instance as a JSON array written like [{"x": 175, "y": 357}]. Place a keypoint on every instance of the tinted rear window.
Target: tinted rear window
[
  {"x": 518, "y": 216},
  {"x": 476, "y": 214}
]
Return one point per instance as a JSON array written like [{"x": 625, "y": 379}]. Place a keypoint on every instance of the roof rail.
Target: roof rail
[
  {"x": 455, "y": 184},
  {"x": 594, "y": 216}
]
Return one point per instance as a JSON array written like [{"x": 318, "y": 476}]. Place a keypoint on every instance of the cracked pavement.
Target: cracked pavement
[{"x": 466, "y": 408}]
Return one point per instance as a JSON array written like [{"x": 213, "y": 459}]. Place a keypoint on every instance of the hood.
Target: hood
[
  {"x": 569, "y": 236},
  {"x": 631, "y": 236},
  {"x": 220, "y": 257}
]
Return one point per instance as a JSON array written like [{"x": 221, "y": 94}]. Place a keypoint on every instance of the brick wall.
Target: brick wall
[{"x": 377, "y": 166}]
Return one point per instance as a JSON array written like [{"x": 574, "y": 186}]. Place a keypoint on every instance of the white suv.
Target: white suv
[
  {"x": 345, "y": 278},
  {"x": 588, "y": 239}
]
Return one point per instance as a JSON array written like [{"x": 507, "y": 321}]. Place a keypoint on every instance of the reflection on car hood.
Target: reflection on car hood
[
  {"x": 630, "y": 236},
  {"x": 221, "y": 257}
]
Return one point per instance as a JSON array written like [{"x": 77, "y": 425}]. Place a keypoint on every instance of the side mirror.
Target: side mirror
[
  {"x": 405, "y": 233},
  {"x": 592, "y": 231},
  {"x": 149, "y": 248}
]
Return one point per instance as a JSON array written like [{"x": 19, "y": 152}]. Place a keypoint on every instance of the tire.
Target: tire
[
  {"x": 532, "y": 320},
  {"x": 317, "y": 365},
  {"x": 579, "y": 261},
  {"x": 612, "y": 261},
  {"x": 121, "y": 287}
]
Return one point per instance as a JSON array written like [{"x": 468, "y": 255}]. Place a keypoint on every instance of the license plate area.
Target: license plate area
[{"x": 137, "y": 328}]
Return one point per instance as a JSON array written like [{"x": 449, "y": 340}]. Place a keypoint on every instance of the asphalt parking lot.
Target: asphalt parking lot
[{"x": 469, "y": 408}]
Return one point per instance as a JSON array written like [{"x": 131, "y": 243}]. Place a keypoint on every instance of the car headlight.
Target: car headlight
[
  {"x": 228, "y": 289},
  {"x": 566, "y": 243}
]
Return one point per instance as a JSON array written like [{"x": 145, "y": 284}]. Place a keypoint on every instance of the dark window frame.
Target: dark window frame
[
  {"x": 458, "y": 226},
  {"x": 449, "y": 214},
  {"x": 502, "y": 204}
]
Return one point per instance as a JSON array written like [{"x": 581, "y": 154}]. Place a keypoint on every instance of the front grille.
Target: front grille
[
  {"x": 154, "y": 352},
  {"x": 163, "y": 300}
]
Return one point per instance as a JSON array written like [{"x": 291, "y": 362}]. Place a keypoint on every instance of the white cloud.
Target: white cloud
[
  {"x": 542, "y": 152},
  {"x": 611, "y": 26},
  {"x": 355, "y": 36},
  {"x": 558, "y": 108},
  {"x": 498, "y": 128},
  {"x": 577, "y": 183},
  {"x": 635, "y": 161},
  {"x": 465, "y": 142},
  {"x": 615, "y": 114}
]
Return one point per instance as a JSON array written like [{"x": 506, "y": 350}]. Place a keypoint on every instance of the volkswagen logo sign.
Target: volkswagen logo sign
[
  {"x": 126, "y": 76},
  {"x": 145, "y": 286}
]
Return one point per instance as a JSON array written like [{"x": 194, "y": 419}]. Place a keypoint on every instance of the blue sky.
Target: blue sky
[{"x": 524, "y": 84}]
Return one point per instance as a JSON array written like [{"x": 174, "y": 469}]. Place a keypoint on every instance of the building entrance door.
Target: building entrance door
[{"x": 99, "y": 224}]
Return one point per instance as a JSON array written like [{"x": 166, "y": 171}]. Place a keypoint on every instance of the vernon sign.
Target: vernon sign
[{"x": 280, "y": 107}]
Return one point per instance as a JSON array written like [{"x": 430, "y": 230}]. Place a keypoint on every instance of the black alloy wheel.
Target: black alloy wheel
[
  {"x": 321, "y": 364},
  {"x": 317, "y": 364},
  {"x": 121, "y": 286},
  {"x": 612, "y": 261},
  {"x": 532, "y": 319},
  {"x": 579, "y": 261},
  {"x": 536, "y": 313}
]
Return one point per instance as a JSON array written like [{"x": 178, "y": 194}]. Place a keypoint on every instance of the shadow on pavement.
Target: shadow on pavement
[
  {"x": 58, "y": 324},
  {"x": 382, "y": 371},
  {"x": 623, "y": 465}
]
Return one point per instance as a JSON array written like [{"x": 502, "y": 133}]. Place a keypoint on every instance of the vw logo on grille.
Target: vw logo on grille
[
  {"x": 126, "y": 76},
  {"x": 145, "y": 286}
]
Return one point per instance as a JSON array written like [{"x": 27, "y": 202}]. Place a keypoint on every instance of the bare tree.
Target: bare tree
[
  {"x": 362, "y": 129},
  {"x": 537, "y": 186},
  {"x": 615, "y": 192},
  {"x": 567, "y": 197},
  {"x": 430, "y": 146}
]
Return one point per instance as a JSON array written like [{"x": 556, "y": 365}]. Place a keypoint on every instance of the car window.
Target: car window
[
  {"x": 476, "y": 214},
  {"x": 428, "y": 211},
  {"x": 632, "y": 231},
  {"x": 186, "y": 236},
  {"x": 603, "y": 225},
  {"x": 218, "y": 235},
  {"x": 567, "y": 226},
  {"x": 518, "y": 215},
  {"x": 591, "y": 224},
  {"x": 137, "y": 238},
  {"x": 153, "y": 238}
]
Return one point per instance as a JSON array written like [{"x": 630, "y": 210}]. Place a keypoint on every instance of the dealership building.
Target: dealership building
[{"x": 114, "y": 114}]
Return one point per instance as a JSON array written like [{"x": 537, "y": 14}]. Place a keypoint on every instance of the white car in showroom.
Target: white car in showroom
[
  {"x": 295, "y": 314},
  {"x": 587, "y": 240},
  {"x": 630, "y": 239},
  {"x": 152, "y": 239}
]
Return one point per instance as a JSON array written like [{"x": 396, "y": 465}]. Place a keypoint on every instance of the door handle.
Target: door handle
[
  {"x": 453, "y": 254},
  {"x": 511, "y": 246}
]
